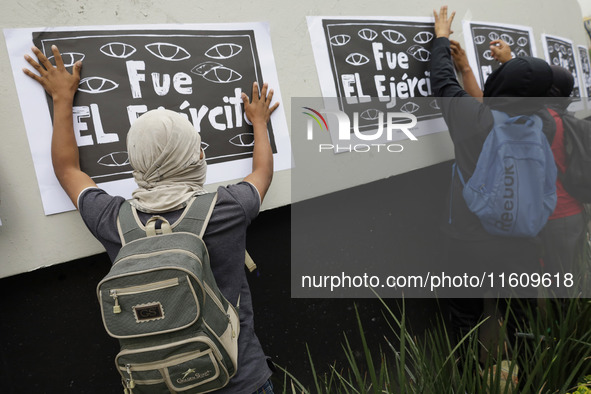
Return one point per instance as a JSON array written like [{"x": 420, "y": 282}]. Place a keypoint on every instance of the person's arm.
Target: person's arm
[
  {"x": 443, "y": 77},
  {"x": 62, "y": 86},
  {"x": 501, "y": 51},
  {"x": 442, "y": 25},
  {"x": 463, "y": 66},
  {"x": 462, "y": 113},
  {"x": 259, "y": 110}
]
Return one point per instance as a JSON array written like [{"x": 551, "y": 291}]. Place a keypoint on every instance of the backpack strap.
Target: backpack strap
[
  {"x": 196, "y": 217},
  {"x": 533, "y": 120},
  {"x": 249, "y": 262},
  {"x": 454, "y": 168},
  {"x": 549, "y": 118},
  {"x": 197, "y": 214},
  {"x": 498, "y": 117},
  {"x": 151, "y": 226},
  {"x": 128, "y": 224},
  {"x": 193, "y": 219}
]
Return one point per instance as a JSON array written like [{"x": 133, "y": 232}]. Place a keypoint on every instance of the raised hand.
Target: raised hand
[{"x": 57, "y": 81}]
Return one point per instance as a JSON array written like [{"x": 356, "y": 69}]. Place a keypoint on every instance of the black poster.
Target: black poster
[
  {"x": 481, "y": 36},
  {"x": 200, "y": 74},
  {"x": 561, "y": 52},
  {"x": 381, "y": 66},
  {"x": 585, "y": 69}
]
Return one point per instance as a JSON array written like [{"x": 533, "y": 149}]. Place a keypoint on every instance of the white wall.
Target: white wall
[
  {"x": 585, "y": 7},
  {"x": 29, "y": 239}
]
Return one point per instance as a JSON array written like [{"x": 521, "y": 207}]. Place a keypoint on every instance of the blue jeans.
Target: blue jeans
[{"x": 266, "y": 388}]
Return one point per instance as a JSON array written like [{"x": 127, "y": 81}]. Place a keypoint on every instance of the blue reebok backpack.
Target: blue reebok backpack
[{"x": 513, "y": 188}]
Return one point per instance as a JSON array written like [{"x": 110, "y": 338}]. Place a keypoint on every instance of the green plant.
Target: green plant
[
  {"x": 558, "y": 351},
  {"x": 551, "y": 357},
  {"x": 584, "y": 386}
]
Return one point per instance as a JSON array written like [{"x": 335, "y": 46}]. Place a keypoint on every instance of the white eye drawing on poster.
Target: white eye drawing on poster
[
  {"x": 371, "y": 67},
  {"x": 585, "y": 70},
  {"x": 478, "y": 37},
  {"x": 560, "y": 51},
  {"x": 199, "y": 71}
]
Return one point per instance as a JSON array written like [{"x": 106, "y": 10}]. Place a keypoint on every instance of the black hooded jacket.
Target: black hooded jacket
[{"x": 470, "y": 121}]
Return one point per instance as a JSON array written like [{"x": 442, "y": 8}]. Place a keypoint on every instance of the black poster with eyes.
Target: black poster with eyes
[
  {"x": 481, "y": 35},
  {"x": 381, "y": 66},
  {"x": 585, "y": 69},
  {"x": 561, "y": 52},
  {"x": 200, "y": 74}
]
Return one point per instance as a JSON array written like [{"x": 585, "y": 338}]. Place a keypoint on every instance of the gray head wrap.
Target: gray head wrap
[{"x": 164, "y": 150}]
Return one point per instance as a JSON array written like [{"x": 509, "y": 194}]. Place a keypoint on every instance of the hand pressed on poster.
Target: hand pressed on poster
[
  {"x": 443, "y": 23},
  {"x": 62, "y": 86},
  {"x": 258, "y": 109},
  {"x": 56, "y": 81},
  {"x": 198, "y": 70}
]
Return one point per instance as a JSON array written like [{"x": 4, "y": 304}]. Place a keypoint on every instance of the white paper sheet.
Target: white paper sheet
[
  {"x": 560, "y": 51},
  {"x": 37, "y": 118},
  {"x": 373, "y": 66},
  {"x": 478, "y": 35}
]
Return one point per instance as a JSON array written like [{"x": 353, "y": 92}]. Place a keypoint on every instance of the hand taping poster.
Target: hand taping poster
[{"x": 478, "y": 37}]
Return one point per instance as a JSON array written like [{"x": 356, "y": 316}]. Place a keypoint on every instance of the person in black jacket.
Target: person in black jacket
[
  {"x": 469, "y": 246},
  {"x": 562, "y": 237},
  {"x": 564, "y": 232}
]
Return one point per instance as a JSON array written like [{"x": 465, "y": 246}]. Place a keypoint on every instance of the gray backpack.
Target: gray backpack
[{"x": 160, "y": 300}]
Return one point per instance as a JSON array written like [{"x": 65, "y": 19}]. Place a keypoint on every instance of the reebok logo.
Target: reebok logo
[{"x": 507, "y": 218}]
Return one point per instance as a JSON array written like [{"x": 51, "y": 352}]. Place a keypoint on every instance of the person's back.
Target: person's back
[
  {"x": 469, "y": 248},
  {"x": 564, "y": 232},
  {"x": 563, "y": 235},
  {"x": 470, "y": 121},
  {"x": 225, "y": 238},
  {"x": 169, "y": 167}
]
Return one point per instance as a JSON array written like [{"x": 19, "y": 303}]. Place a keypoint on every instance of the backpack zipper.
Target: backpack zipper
[
  {"x": 231, "y": 325},
  {"x": 115, "y": 293},
  {"x": 176, "y": 359},
  {"x": 159, "y": 252},
  {"x": 179, "y": 359},
  {"x": 216, "y": 301},
  {"x": 214, "y": 356},
  {"x": 129, "y": 381},
  {"x": 145, "y": 255},
  {"x": 451, "y": 189}
]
